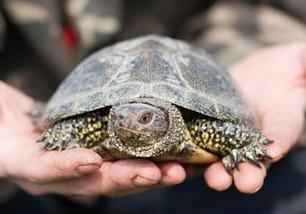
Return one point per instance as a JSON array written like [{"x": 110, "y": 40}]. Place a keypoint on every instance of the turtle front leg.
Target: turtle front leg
[
  {"x": 82, "y": 131},
  {"x": 234, "y": 143}
]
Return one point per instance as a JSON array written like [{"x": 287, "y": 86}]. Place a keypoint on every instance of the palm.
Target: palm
[
  {"x": 277, "y": 91},
  {"x": 273, "y": 81},
  {"x": 16, "y": 129}
]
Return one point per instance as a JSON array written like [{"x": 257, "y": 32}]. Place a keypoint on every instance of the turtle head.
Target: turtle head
[
  {"x": 145, "y": 128},
  {"x": 140, "y": 122}
]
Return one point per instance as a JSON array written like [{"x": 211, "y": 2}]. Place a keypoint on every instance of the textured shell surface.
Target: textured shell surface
[{"x": 150, "y": 66}]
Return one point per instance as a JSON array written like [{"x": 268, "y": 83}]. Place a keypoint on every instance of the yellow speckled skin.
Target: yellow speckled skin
[
  {"x": 233, "y": 142},
  {"x": 221, "y": 137},
  {"x": 203, "y": 140},
  {"x": 194, "y": 153},
  {"x": 85, "y": 131},
  {"x": 94, "y": 131}
]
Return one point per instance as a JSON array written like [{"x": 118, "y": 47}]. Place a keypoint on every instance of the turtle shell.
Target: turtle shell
[{"x": 150, "y": 66}]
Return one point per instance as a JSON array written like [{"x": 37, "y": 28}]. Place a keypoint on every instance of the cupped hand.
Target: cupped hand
[
  {"x": 69, "y": 172},
  {"x": 274, "y": 82}
]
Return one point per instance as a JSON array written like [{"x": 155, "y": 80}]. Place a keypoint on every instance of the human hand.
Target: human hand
[
  {"x": 274, "y": 82},
  {"x": 69, "y": 172}
]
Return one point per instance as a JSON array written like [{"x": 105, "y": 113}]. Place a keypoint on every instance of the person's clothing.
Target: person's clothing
[{"x": 64, "y": 31}]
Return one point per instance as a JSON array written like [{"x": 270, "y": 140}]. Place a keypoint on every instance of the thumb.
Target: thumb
[
  {"x": 124, "y": 176},
  {"x": 50, "y": 166}
]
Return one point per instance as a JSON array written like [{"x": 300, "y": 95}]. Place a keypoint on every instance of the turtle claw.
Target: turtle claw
[
  {"x": 45, "y": 146},
  {"x": 254, "y": 162},
  {"x": 268, "y": 142},
  {"x": 230, "y": 163},
  {"x": 268, "y": 157},
  {"x": 61, "y": 145},
  {"x": 252, "y": 153},
  {"x": 50, "y": 143},
  {"x": 73, "y": 145},
  {"x": 42, "y": 138}
]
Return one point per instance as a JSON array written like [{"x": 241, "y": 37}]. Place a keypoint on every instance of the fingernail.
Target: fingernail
[
  {"x": 143, "y": 181},
  {"x": 87, "y": 168}
]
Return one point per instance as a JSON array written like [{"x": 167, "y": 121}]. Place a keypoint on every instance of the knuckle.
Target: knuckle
[
  {"x": 63, "y": 166},
  {"x": 59, "y": 168},
  {"x": 55, "y": 162}
]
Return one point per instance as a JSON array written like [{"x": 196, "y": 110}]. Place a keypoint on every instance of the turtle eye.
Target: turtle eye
[{"x": 145, "y": 118}]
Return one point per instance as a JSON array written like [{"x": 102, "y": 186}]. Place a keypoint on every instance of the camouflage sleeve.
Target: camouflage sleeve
[
  {"x": 40, "y": 22},
  {"x": 64, "y": 31},
  {"x": 97, "y": 22},
  {"x": 231, "y": 30},
  {"x": 295, "y": 7}
]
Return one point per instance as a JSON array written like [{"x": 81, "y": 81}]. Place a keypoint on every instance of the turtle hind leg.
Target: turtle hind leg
[
  {"x": 253, "y": 153},
  {"x": 235, "y": 143}
]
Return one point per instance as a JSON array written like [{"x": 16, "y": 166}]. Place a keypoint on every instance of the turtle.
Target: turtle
[{"x": 157, "y": 98}]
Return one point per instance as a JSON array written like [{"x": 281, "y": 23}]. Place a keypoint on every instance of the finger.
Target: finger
[
  {"x": 114, "y": 179},
  {"x": 94, "y": 184},
  {"x": 125, "y": 176},
  {"x": 249, "y": 178},
  {"x": 217, "y": 177},
  {"x": 50, "y": 166},
  {"x": 134, "y": 172},
  {"x": 118, "y": 178},
  {"x": 172, "y": 173}
]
